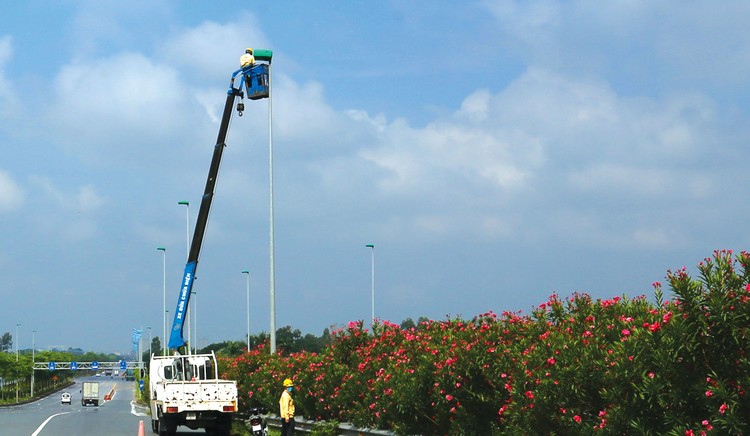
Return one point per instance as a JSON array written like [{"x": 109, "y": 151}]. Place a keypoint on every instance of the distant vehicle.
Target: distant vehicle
[
  {"x": 90, "y": 393},
  {"x": 98, "y": 374},
  {"x": 129, "y": 375},
  {"x": 65, "y": 398}
]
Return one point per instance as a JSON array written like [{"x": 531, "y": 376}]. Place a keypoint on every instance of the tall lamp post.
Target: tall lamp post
[
  {"x": 16, "y": 340},
  {"x": 372, "y": 285},
  {"x": 164, "y": 299},
  {"x": 272, "y": 259},
  {"x": 17, "y": 324},
  {"x": 33, "y": 359},
  {"x": 187, "y": 254},
  {"x": 149, "y": 342},
  {"x": 247, "y": 273},
  {"x": 195, "y": 318}
]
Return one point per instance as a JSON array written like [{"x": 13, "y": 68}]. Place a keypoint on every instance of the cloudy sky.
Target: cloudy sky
[{"x": 494, "y": 151}]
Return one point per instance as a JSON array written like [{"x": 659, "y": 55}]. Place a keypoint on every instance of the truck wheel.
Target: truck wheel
[
  {"x": 166, "y": 428},
  {"x": 223, "y": 426},
  {"x": 219, "y": 430}
]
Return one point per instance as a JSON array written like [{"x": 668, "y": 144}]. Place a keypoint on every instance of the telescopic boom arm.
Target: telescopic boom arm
[{"x": 254, "y": 83}]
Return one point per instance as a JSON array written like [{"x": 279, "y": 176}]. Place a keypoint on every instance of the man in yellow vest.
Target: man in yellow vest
[
  {"x": 247, "y": 59},
  {"x": 286, "y": 406}
]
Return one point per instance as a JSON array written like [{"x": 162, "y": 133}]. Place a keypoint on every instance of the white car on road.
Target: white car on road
[{"x": 65, "y": 398}]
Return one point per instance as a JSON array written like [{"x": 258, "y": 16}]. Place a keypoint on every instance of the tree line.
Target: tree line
[{"x": 288, "y": 340}]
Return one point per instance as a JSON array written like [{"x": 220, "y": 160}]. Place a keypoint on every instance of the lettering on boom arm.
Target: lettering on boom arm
[
  {"x": 175, "y": 339},
  {"x": 183, "y": 296}
]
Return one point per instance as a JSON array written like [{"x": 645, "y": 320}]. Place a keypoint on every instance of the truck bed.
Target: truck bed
[{"x": 200, "y": 394}]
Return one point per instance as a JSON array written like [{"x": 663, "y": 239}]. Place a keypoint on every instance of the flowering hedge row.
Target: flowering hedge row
[{"x": 573, "y": 366}]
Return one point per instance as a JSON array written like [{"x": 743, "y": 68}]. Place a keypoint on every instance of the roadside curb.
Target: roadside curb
[{"x": 38, "y": 397}]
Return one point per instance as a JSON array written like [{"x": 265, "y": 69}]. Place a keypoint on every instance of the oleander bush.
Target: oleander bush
[{"x": 574, "y": 365}]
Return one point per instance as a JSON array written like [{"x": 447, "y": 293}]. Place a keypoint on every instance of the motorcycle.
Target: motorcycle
[{"x": 258, "y": 425}]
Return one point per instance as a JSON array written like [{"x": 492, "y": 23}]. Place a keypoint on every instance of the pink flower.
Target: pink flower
[
  {"x": 577, "y": 418},
  {"x": 449, "y": 397},
  {"x": 529, "y": 394},
  {"x": 551, "y": 360},
  {"x": 723, "y": 408},
  {"x": 709, "y": 393}
]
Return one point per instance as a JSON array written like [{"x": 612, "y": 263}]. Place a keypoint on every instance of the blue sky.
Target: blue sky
[{"x": 494, "y": 152}]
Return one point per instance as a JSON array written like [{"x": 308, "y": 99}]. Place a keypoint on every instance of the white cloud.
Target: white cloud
[
  {"x": 69, "y": 213},
  {"x": 115, "y": 108},
  {"x": 87, "y": 200},
  {"x": 84, "y": 200},
  {"x": 210, "y": 48},
  {"x": 634, "y": 43},
  {"x": 547, "y": 145},
  {"x": 11, "y": 195}
]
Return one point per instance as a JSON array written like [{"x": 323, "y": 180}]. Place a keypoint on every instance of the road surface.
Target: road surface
[{"x": 49, "y": 417}]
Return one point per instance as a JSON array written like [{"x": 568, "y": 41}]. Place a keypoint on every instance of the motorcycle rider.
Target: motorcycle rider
[{"x": 286, "y": 406}]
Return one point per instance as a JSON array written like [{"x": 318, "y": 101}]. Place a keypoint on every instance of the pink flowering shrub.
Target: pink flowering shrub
[{"x": 573, "y": 366}]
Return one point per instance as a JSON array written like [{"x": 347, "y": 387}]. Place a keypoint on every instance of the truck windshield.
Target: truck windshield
[{"x": 189, "y": 369}]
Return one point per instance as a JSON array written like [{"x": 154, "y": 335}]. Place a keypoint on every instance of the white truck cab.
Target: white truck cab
[{"x": 186, "y": 390}]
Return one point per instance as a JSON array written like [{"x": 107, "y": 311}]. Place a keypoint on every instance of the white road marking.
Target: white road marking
[{"x": 41, "y": 427}]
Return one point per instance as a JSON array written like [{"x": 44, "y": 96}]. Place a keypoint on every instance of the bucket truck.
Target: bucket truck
[{"x": 185, "y": 388}]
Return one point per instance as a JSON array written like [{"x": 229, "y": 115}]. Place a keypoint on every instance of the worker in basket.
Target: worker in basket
[{"x": 247, "y": 59}]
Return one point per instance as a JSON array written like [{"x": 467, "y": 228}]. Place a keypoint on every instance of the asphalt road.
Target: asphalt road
[{"x": 49, "y": 417}]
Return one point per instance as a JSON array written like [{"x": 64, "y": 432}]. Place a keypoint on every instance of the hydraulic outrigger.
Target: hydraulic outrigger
[{"x": 252, "y": 82}]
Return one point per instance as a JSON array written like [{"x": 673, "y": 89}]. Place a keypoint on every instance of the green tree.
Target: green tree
[
  {"x": 6, "y": 342},
  {"x": 156, "y": 346},
  {"x": 407, "y": 324},
  {"x": 286, "y": 338}
]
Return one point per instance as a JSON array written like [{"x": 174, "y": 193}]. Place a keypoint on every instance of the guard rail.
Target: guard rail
[{"x": 345, "y": 429}]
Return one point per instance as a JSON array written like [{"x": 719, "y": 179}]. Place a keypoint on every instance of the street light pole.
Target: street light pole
[
  {"x": 164, "y": 300},
  {"x": 372, "y": 286},
  {"x": 17, "y": 324},
  {"x": 247, "y": 272},
  {"x": 272, "y": 261},
  {"x": 149, "y": 342},
  {"x": 187, "y": 254},
  {"x": 194, "y": 299},
  {"x": 33, "y": 359}
]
